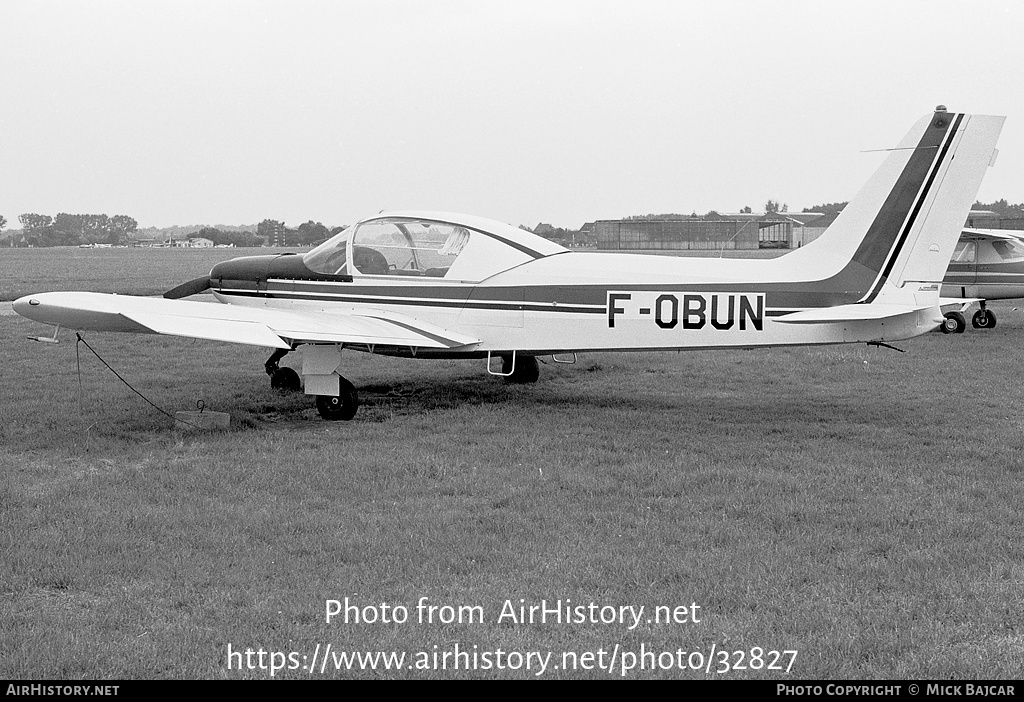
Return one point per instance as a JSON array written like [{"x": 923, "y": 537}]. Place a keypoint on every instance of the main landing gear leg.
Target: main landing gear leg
[
  {"x": 336, "y": 398},
  {"x": 983, "y": 318},
  {"x": 341, "y": 406},
  {"x": 281, "y": 378}
]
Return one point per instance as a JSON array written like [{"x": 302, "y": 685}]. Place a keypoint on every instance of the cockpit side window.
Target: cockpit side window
[
  {"x": 380, "y": 247},
  {"x": 965, "y": 252},
  {"x": 407, "y": 247}
]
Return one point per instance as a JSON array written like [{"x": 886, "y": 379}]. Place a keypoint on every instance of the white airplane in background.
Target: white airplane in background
[
  {"x": 987, "y": 264},
  {"x": 430, "y": 285}
]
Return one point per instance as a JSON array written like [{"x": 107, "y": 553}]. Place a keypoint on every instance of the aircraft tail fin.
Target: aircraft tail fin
[{"x": 896, "y": 237}]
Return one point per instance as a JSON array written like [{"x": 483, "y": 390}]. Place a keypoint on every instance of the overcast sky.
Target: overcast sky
[{"x": 561, "y": 111}]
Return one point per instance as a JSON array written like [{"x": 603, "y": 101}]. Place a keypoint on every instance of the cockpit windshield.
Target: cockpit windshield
[{"x": 329, "y": 257}]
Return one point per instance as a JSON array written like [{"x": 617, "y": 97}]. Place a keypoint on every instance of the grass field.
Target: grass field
[
  {"x": 856, "y": 505},
  {"x": 134, "y": 271}
]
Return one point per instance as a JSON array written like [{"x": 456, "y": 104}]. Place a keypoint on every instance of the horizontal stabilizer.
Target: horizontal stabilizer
[
  {"x": 851, "y": 313},
  {"x": 959, "y": 302}
]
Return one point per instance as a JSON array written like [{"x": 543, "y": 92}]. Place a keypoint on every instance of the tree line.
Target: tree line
[
  {"x": 77, "y": 229},
  {"x": 307, "y": 234},
  {"x": 74, "y": 229},
  {"x": 1003, "y": 208},
  {"x": 270, "y": 232}
]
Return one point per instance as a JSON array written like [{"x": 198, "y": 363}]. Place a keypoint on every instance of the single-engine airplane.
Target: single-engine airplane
[
  {"x": 431, "y": 285},
  {"x": 987, "y": 264}
]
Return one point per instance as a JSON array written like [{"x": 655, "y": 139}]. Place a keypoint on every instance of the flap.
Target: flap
[{"x": 252, "y": 333}]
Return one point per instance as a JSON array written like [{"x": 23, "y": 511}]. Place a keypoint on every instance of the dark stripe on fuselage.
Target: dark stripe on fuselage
[
  {"x": 515, "y": 304},
  {"x": 559, "y": 307},
  {"x": 585, "y": 299}
]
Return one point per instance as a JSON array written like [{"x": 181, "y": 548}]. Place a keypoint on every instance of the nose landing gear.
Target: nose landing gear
[{"x": 282, "y": 378}]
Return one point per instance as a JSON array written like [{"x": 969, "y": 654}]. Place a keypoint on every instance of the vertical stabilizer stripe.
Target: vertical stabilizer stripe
[{"x": 944, "y": 143}]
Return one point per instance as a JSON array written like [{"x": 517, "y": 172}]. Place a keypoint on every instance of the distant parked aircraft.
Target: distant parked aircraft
[{"x": 987, "y": 264}]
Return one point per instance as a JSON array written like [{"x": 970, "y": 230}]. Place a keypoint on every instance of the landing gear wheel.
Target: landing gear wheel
[
  {"x": 526, "y": 370},
  {"x": 342, "y": 407},
  {"x": 983, "y": 319},
  {"x": 953, "y": 323},
  {"x": 285, "y": 379}
]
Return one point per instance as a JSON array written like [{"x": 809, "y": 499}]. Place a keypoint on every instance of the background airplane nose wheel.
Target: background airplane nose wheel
[
  {"x": 983, "y": 319},
  {"x": 342, "y": 407},
  {"x": 953, "y": 323},
  {"x": 285, "y": 379}
]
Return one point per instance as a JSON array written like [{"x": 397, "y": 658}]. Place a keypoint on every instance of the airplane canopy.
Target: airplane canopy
[{"x": 424, "y": 244}]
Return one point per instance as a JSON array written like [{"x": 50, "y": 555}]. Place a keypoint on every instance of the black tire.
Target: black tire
[
  {"x": 343, "y": 407},
  {"x": 983, "y": 319},
  {"x": 285, "y": 379},
  {"x": 953, "y": 323},
  {"x": 526, "y": 370}
]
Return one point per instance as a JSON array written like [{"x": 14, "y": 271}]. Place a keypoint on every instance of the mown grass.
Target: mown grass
[{"x": 854, "y": 504}]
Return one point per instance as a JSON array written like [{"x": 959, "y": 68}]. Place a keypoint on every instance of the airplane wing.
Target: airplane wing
[
  {"x": 255, "y": 326},
  {"x": 992, "y": 234}
]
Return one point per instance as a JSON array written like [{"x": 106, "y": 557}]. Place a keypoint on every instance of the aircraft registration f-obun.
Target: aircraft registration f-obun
[
  {"x": 432, "y": 285},
  {"x": 987, "y": 264}
]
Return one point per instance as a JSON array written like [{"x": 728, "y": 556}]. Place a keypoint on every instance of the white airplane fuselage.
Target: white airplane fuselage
[{"x": 576, "y": 301}]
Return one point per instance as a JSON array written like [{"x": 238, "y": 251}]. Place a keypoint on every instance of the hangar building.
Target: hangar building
[
  {"x": 731, "y": 231},
  {"x": 782, "y": 230}
]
